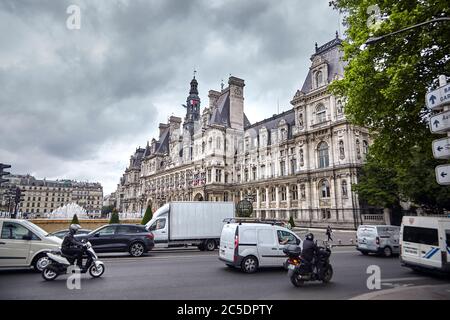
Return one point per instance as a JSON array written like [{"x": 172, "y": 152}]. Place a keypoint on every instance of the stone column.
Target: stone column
[
  {"x": 267, "y": 198},
  {"x": 258, "y": 199},
  {"x": 288, "y": 196},
  {"x": 277, "y": 199}
]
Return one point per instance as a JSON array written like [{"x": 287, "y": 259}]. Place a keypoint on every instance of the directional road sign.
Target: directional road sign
[
  {"x": 443, "y": 174},
  {"x": 441, "y": 148},
  {"x": 440, "y": 123},
  {"x": 439, "y": 97}
]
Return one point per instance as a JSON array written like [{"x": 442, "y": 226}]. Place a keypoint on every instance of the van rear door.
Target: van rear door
[
  {"x": 367, "y": 238},
  {"x": 227, "y": 237}
]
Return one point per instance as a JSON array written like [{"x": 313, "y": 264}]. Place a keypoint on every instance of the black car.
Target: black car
[
  {"x": 62, "y": 233},
  {"x": 131, "y": 238}
]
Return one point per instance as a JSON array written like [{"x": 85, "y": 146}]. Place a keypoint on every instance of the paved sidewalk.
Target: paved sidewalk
[
  {"x": 434, "y": 292},
  {"x": 340, "y": 237}
]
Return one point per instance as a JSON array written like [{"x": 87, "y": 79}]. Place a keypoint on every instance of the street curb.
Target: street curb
[{"x": 378, "y": 293}]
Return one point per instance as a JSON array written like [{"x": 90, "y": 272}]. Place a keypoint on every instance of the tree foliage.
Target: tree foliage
[
  {"x": 385, "y": 86},
  {"x": 114, "y": 217},
  {"x": 147, "y": 216},
  {"x": 75, "y": 220}
]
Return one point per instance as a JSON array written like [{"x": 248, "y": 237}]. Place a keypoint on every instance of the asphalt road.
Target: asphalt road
[{"x": 191, "y": 274}]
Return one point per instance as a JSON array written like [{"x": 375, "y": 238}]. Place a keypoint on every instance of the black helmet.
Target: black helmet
[
  {"x": 309, "y": 236},
  {"x": 74, "y": 228}
]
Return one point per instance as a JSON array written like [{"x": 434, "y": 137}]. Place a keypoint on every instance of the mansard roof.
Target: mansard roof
[
  {"x": 162, "y": 145},
  {"x": 273, "y": 122},
  {"x": 221, "y": 111},
  {"x": 136, "y": 159},
  {"x": 332, "y": 54}
]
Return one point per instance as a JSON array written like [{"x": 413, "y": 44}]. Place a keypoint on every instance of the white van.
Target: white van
[
  {"x": 425, "y": 243},
  {"x": 23, "y": 245},
  {"x": 383, "y": 240},
  {"x": 253, "y": 245}
]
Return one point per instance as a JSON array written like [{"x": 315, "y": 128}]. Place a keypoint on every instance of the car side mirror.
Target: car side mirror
[
  {"x": 26, "y": 237},
  {"x": 298, "y": 241},
  {"x": 97, "y": 235}
]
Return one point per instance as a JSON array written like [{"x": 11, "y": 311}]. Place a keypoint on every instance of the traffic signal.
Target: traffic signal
[{"x": 3, "y": 173}]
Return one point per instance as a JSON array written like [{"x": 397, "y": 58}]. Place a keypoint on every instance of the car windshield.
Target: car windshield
[{"x": 36, "y": 229}]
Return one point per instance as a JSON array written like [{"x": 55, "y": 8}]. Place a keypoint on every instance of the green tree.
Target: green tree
[
  {"x": 75, "y": 220},
  {"x": 385, "y": 86},
  {"x": 147, "y": 216},
  {"x": 114, "y": 217}
]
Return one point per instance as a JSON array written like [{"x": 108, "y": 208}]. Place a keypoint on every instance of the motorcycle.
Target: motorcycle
[
  {"x": 58, "y": 263},
  {"x": 300, "y": 270}
]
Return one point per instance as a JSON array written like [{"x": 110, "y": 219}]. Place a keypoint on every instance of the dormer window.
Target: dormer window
[{"x": 319, "y": 78}]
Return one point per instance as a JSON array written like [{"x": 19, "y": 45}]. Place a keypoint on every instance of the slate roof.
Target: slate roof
[
  {"x": 162, "y": 146},
  {"x": 136, "y": 159},
  {"x": 332, "y": 53},
  {"x": 272, "y": 123},
  {"x": 221, "y": 112}
]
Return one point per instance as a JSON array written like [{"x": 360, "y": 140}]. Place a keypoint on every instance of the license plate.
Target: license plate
[{"x": 291, "y": 267}]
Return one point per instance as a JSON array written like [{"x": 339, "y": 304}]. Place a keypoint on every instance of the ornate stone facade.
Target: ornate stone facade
[{"x": 302, "y": 162}]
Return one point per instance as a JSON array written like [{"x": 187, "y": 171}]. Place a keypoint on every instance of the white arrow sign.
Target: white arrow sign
[
  {"x": 439, "y": 97},
  {"x": 440, "y": 123},
  {"x": 441, "y": 148},
  {"x": 443, "y": 174}
]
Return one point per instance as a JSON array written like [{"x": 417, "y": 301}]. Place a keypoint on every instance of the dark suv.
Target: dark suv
[{"x": 131, "y": 238}]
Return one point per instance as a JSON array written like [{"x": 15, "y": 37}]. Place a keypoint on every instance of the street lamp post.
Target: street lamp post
[{"x": 374, "y": 40}]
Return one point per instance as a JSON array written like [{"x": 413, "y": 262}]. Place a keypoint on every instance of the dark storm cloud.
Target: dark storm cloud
[{"x": 66, "y": 95}]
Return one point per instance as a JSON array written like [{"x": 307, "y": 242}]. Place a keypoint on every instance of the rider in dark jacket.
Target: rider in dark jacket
[
  {"x": 71, "y": 246},
  {"x": 309, "y": 249}
]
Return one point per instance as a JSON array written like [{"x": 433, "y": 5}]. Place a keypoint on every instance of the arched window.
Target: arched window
[
  {"x": 321, "y": 113},
  {"x": 324, "y": 189},
  {"x": 319, "y": 78},
  {"x": 344, "y": 189},
  {"x": 323, "y": 157}
]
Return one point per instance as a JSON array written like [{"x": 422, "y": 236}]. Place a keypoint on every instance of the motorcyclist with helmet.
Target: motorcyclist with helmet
[
  {"x": 309, "y": 250},
  {"x": 72, "y": 247}
]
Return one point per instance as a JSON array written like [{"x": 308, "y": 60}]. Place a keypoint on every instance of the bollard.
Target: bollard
[
  {"x": 351, "y": 241},
  {"x": 339, "y": 241}
]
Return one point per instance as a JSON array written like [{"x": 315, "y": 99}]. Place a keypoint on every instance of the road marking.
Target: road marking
[{"x": 403, "y": 279}]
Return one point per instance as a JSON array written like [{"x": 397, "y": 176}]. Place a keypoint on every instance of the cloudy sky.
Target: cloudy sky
[{"x": 76, "y": 103}]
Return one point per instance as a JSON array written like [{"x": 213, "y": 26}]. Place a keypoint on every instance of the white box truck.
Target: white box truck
[{"x": 197, "y": 223}]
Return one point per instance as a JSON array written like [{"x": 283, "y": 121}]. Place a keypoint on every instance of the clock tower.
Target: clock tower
[{"x": 192, "y": 107}]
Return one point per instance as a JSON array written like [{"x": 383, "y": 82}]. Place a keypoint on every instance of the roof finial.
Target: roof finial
[
  {"x": 195, "y": 72},
  {"x": 337, "y": 34},
  {"x": 222, "y": 85},
  {"x": 316, "y": 46}
]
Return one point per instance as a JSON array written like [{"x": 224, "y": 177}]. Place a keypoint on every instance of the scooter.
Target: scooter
[
  {"x": 300, "y": 270},
  {"x": 59, "y": 263}
]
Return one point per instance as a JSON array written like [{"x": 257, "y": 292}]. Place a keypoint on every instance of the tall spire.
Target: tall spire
[
  {"x": 192, "y": 106},
  {"x": 194, "y": 85}
]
